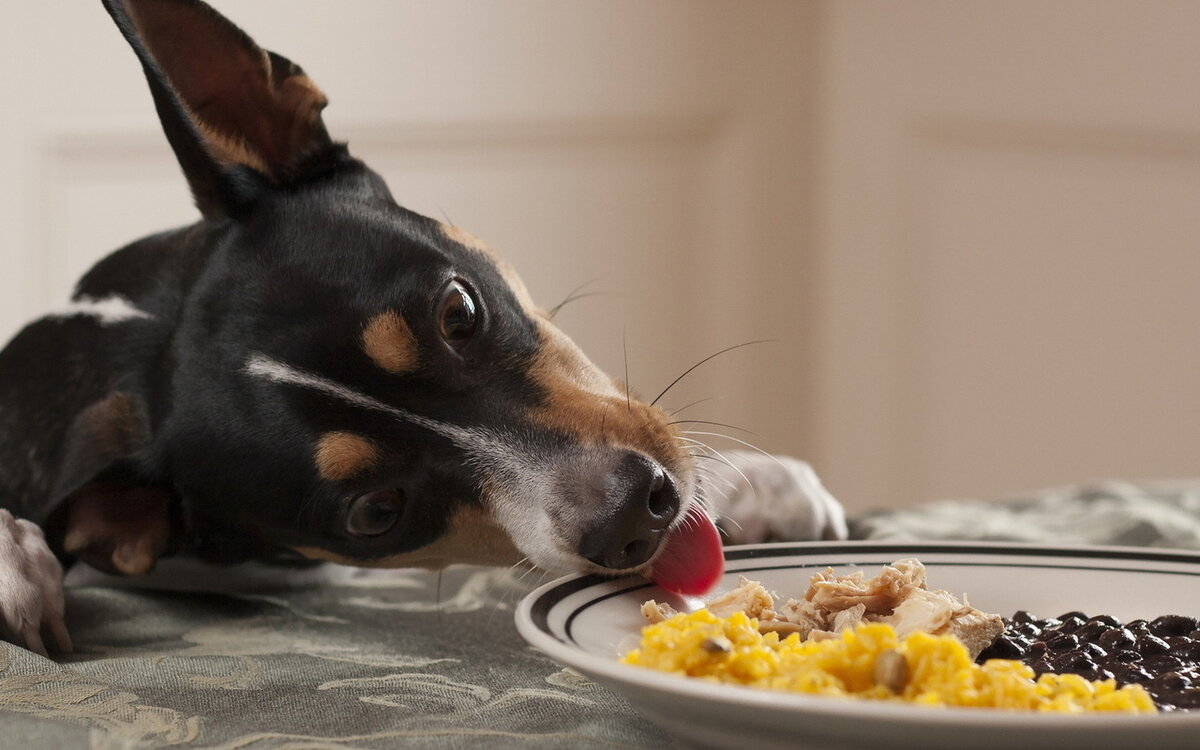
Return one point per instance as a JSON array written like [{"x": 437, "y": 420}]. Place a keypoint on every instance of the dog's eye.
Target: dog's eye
[
  {"x": 374, "y": 513},
  {"x": 457, "y": 316}
]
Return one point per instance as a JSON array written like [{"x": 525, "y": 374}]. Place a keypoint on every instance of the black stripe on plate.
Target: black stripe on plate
[
  {"x": 567, "y": 626},
  {"x": 540, "y": 610}
]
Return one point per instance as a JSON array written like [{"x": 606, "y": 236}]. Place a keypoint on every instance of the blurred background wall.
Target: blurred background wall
[{"x": 966, "y": 229}]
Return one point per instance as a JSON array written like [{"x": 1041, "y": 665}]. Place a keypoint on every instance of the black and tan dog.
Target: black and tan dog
[{"x": 312, "y": 371}]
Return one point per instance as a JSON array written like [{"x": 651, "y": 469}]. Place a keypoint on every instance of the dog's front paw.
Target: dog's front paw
[
  {"x": 761, "y": 498},
  {"x": 31, "y": 590}
]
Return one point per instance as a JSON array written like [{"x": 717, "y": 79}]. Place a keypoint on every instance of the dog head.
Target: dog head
[{"x": 354, "y": 382}]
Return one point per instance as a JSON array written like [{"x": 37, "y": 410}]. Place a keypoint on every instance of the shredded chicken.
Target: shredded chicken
[
  {"x": 977, "y": 630},
  {"x": 656, "y": 613},
  {"x": 897, "y": 596},
  {"x": 749, "y": 597},
  {"x": 849, "y": 617},
  {"x": 879, "y": 595}
]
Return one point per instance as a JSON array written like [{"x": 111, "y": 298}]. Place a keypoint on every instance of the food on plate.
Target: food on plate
[
  {"x": 868, "y": 661},
  {"x": 1162, "y": 655},
  {"x": 887, "y": 638},
  {"x": 897, "y": 596}
]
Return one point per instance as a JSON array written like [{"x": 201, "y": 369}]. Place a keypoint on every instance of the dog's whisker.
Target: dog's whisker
[
  {"x": 715, "y": 477},
  {"x": 723, "y": 520},
  {"x": 575, "y": 298},
  {"x": 715, "y": 424},
  {"x": 527, "y": 570},
  {"x": 697, "y": 402},
  {"x": 731, "y": 521},
  {"x": 625, "y": 351},
  {"x": 575, "y": 294},
  {"x": 720, "y": 456},
  {"x": 696, "y": 444},
  {"x": 751, "y": 446},
  {"x": 519, "y": 586},
  {"x": 706, "y": 359}
]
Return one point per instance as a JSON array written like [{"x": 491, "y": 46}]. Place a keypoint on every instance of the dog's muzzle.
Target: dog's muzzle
[{"x": 640, "y": 502}]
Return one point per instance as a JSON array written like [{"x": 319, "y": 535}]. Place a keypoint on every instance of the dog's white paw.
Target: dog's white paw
[
  {"x": 31, "y": 590},
  {"x": 761, "y": 498}
]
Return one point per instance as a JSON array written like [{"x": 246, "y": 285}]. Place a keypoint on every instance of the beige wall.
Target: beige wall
[
  {"x": 965, "y": 226},
  {"x": 1009, "y": 219}
]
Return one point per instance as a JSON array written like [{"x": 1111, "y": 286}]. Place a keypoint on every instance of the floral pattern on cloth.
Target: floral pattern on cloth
[{"x": 375, "y": 659}]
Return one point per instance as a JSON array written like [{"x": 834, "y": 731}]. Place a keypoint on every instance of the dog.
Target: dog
[{"x": 313, "y": 373}]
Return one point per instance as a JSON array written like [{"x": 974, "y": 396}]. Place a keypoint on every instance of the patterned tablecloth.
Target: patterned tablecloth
[{"x": 352, "y": 659}]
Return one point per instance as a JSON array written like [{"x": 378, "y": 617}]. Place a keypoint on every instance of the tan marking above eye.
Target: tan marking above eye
[
  {"x": 390, "y": 343},
  {"x": 465, "y": 238},
  {"x": 342, "y": 455},
  {"x": 506, "y": 271}
]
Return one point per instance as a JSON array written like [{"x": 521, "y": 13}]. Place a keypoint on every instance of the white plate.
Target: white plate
[{"x": 586, "y": 622}]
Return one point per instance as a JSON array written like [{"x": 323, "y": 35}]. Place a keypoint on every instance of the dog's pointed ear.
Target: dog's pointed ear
[
  {"x": 236, "y": 115},
  {"x": 106, "y": 514}
]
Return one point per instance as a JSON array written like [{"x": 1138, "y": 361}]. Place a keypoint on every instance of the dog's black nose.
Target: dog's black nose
[{"x": 640, "y": 500}]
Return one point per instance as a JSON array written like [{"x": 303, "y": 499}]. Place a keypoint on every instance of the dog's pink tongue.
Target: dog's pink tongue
[{"x": 692, "y": 560}]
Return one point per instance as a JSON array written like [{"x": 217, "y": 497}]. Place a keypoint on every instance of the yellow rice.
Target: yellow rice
[{"x": 940, "y": 670}]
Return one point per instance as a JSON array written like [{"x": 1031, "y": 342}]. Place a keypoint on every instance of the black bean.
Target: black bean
[
  {"x": 1062, "y": 642},
  {"x": 1149, "y": 645},
  {"x": 1161, "y": 663},
  {"x": 1091, "y": 630},
  {"x": 1041, "y": 666},
  {"x": 1093, "y": 650},
  {"x": 1185, "y": 648},
  {"x": 1095, "y": 674},
  {"x": 1074, "y": 662},
  {"x": 1168, "y": 681},
  {"x": 1071, "y": 621},
  {"x": 1172, "y": 625},
  {"x": 1126, "y": 674},
  {"x": 1006, "y": 647},
  {"x": 1162, "y": 654},
  {"x": 1029, "y": 629},
  {"x": 1124, "y": 656},
  {"x": 1186, "y": 698},
  {"x": 1116, "y": 639}
]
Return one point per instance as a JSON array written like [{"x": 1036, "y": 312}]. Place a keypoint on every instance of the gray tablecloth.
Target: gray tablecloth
[{"x": 351, "y": 659}]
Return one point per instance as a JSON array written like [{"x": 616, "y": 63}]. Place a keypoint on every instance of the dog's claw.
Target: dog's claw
[
  {"x": 31, "y": 591},
  {"x": 58, "y": 632},
  {"x": 760, "y": 498},
  {"x": 33, "y": 641}
]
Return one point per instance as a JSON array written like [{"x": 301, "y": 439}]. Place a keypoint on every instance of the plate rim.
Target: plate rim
[{"x": 612, "y": 671}]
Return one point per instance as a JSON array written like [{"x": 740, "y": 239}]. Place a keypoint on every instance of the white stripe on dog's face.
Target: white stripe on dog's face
[
  {"x": 275, "y": 371},
  {"x": 518, "y": 489},
  {"x": 107, "y": 310}
]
